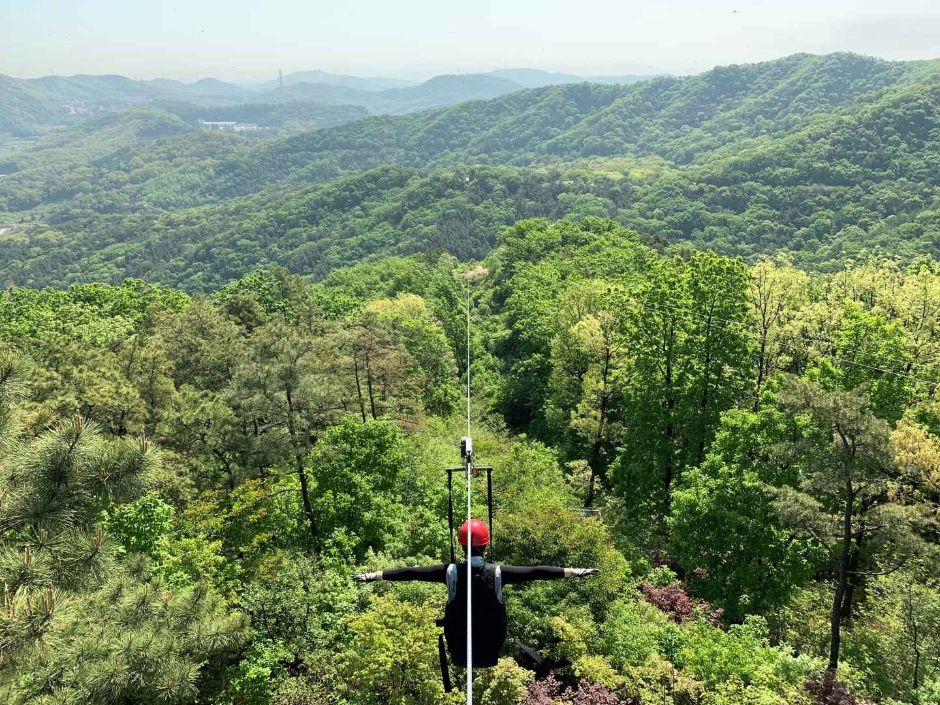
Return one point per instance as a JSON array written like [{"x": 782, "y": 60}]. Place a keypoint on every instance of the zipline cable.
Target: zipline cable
[
  {"x": 469, "y": 467},
  {"x": 468, "y": 356}
]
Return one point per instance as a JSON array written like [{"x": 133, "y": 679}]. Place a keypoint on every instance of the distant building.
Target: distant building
[
  {"x": 81, "y": 107},
  {"x": 77, "y": 107},
  {"x": 229, "y": 126}
]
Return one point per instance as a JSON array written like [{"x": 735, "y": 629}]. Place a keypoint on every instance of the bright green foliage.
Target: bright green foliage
[
  {"x": 303, "y": 604},
  {"x": 726, "y": 526},
  {"x": 273, "y": 290},
  {"x": 690, "y": 357},
  {"x": 742, "y": 654},
  {"x": 504, "y": 684},
  {"x": 658, "y": 681},
  {"x": 255, "y": 680},
  {"x": 536, "y": 263},
  {"x": 636, "y": 631},
  {"x": 847, "y": 466},
  {"x": 345, "y": 290},
  {"x": 140, "y": 525},
  {"x": 127, "y": 638},
  {"x": 254, "y": 519},
  {"x": 393, "y": 655},
  {"x": 552, "y": 534},
  {"x": 422, "y": 336},
  {"x": 54, "y": 489},
  {"x": 722, "y": 160},
  {"x": 202, "y": 343},
  {"x": 896, "y": 638},
  {"x": 93, "y": 313},
  {"x": 585, "y": 398},
  {"x": 187, "y": 560},
  {"x": 355, "y": 469},
  {"x": 202, "y": 425},
  {"x": 878, "y": 347},
  {"x": 528, "y": 477}
]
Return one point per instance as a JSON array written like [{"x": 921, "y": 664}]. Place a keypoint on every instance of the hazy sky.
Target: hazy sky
[{"x": 249, "y": 39}]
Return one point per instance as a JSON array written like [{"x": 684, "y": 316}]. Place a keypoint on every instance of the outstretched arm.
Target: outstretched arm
[
  {"x": 427, "y": 574},
  {"x": 513, "y": 574}
]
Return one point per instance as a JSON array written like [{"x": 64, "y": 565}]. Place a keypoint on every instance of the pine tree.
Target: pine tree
[{"x": 74, "y": 628}]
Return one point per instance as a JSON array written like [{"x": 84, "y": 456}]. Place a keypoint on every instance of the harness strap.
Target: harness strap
[
  {"x": 450, "y": 515},
  {"x": 489, "y": 502},
  {"x": 442, "y": 657},
  {"x": 451, "y": 577}
]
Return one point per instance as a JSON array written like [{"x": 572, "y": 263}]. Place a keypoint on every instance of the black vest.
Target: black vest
[{"x": 488, "y": 618}]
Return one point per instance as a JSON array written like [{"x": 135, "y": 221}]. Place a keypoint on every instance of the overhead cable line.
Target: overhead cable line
[
  {"x": 805, "y": 336},
  {"x": 726, "y": 323}
]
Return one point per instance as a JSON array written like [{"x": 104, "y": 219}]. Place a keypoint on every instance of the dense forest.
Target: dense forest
[
  {"x": 704, "y": 338},
  {"x": 190, "y": 481}
]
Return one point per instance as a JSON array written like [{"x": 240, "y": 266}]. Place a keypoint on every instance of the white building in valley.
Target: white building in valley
[{"x": 229, "y": 126}]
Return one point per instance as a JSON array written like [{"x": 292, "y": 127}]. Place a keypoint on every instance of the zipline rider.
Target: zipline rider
[{"x": 489, "y": 610}]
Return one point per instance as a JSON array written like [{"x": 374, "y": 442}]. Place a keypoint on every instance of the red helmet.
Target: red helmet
[{"x": 480, "y": 535}]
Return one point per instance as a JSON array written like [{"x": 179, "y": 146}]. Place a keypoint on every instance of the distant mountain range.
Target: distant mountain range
[
  {"x": 335, "y": 79},
  {"x": 30, "y": 106},
  {"x": 536, "y": 78},
  {"x": 818, "y": 158},
  {"x": 437, "y": 92},
  {"x": 522, "y": 77}
]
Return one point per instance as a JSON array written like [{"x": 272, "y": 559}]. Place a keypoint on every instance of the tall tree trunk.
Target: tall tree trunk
[
  {"x": 595, "y": 457},
  {"x": 915, "y": 642},
  {"x": 592, "y": 464},
  {"x": 761, "y": 363},
  {"x": 706, "y": 381},
  {"x": 299, "y": 466},
  {"x": 842, "y": 574},
  {"x": 362, "y": 402},
  {"x": 227, "y": 468},
  {"x": 670, "y": 469},
  {"x": 370, "y": 388},
  {"x": 670, "y": 433},
  {"x": 854, "y": 577},
  {"x": 305, "y": 496}
]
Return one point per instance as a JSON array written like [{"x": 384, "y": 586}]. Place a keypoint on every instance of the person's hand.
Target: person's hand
[
  {"x": 584, "y": 572},
  {"x": 365, "y": 577}
]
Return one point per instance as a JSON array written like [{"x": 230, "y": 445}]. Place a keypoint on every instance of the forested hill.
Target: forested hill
[
  {"x": 188, "y": 484},
  {"x": 824, "y": 157},
  {"x": 680, "y": 119},
  {"x": 30, "y": 107}
]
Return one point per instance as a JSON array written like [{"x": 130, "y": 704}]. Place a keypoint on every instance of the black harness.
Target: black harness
[{"x": 488, "y": 619}]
